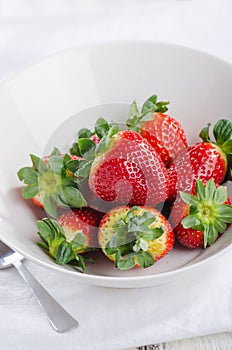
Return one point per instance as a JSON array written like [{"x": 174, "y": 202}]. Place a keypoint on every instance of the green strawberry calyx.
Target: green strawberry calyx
[
  {"x": 87, "y": 149},
  {"x": 63, "y": 251},
  {"x": 53, "y": 179},
  {"x": 129, "y": 243},
  {"x": 150, "y": 106},
  {"x": 222, "y": 132},
  {"x": 208, "y": 211}
]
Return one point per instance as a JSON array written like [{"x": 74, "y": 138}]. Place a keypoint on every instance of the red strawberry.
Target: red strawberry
[
  {"x": 93, "y": 201},
  {"x": 84, "y": 220},
  {"x": 50, "y": 182},
  {"x": 163, "y": 132},
  {"x": 74, "y": 233},
  {"x": 204, "y": 160},
  {"x": 136, "y": 236},
  {"x": 38, "y": 200},
  {"x": 198, "y": 219},
  {"x": 129, "y": 171}
]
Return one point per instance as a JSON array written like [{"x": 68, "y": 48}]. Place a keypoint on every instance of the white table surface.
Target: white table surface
[{"x": 33, "y": 29}]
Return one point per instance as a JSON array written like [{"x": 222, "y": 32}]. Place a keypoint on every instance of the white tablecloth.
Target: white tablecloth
[{"x": 113, "y": 318}]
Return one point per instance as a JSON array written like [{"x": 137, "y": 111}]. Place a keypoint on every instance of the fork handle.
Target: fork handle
[{"x": 59, "y": 318}]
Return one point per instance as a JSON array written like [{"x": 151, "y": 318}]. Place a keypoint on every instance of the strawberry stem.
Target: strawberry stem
[
  {"x": 56, "y": 244},
  {"x": 129, "y": 242},
  {"x": 54, "y": 178},
  {"x": 148, "y": 109},
  {"x": 222, "y": 132},
  {"x": 207, "y": 212}
]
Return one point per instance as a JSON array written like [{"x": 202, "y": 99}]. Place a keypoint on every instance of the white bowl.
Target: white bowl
[{"x": 84, "y": 83}]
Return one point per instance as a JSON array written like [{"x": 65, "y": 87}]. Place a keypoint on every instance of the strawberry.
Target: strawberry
[
  {"x": 163, "y": 132},
  {"x": 93, "y": 201},
  {"x": 204, "y": 160},
  {"x": 51, "y": 184},
  {"x": 198, "y": 219},
  {"x": 123, "y": 168},
  {"x": 136, "y": 236},
  {"x": 127, "y": 170},
  {"x": 73, "y": 233}
]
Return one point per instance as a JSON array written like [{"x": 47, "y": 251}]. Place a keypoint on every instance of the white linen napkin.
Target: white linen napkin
[{"x": 113, "y": 318}]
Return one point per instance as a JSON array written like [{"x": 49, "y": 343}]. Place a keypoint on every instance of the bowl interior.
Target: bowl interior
[{"x": 45, "y": 105}]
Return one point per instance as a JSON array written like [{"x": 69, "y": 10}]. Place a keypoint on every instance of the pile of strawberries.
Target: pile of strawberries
[{"x": 129, "y": 193}]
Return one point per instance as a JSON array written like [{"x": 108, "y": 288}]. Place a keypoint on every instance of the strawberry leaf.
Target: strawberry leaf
[
  {"x": 227, "y": 147},
  {"x": 43, "y": 245},
  {"x": 209, "y": 213},
  {"x": 78, "y": 242},
  {"x": 204, "y": 134},
  {"x": 64, "y": 253},
  {"x": 222, "y": 131},
  {"x": 106, "y": 139},
  {"x": 75, "y": 150},
  {"x": 110, "y": 250},
  {"x": 56, "y": 152},
  {"x": 80, "y": 263},
  {"x": 44, "y": 231},
  {"x": 190, "y": 221},
  {"x": 146, "y": 219},
  {"x": 126, "y": 264},
  {"x": 130, "y": 237},
  {"x": 55, "y": 163},
  {"x": 101, "y": 127},
  {"x": 134, "y": 111},
  {"x": 28, "y": 175},
  {"x": 30, "y": 191},
  {"x": 152, "y": 233},
  {"x": 134, "y": 117},
  {"x": 151, "y": 105},
  {"x": 87, "y": 148},
  {"x": 210, "y": 189},
  {"x": 50, "y": 205},
  {"x": 84, "y": 133},
  {"x": 72, "y": 166},
  {"x": 147, "y": 117},
  {"x": 225, "y": 213},
  {"x": 220, "y": 226},
  {"x": 212, "y": 234},
  {"x": 56, "y": 228},
  {"x": 38, "y": 164},
  {"x": 200, "y": 189},
  {"x": 189, "y": 198},
  {"x": 145, "y": 259},
  {"x": 74, "y": 197},
  {"x": 121, "y": 236},
  {"x": 84, "y": 169},
  {"x": 220, "y": 195},
  {"x": 52, "y": 235},
  {"x": 162, "y": 107},
  {"x": 206, "y": 234},
  {"x": 35, "y": 161},
  {"x": 131, "y": 214},
  {"x": 229, "y": 168}
]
